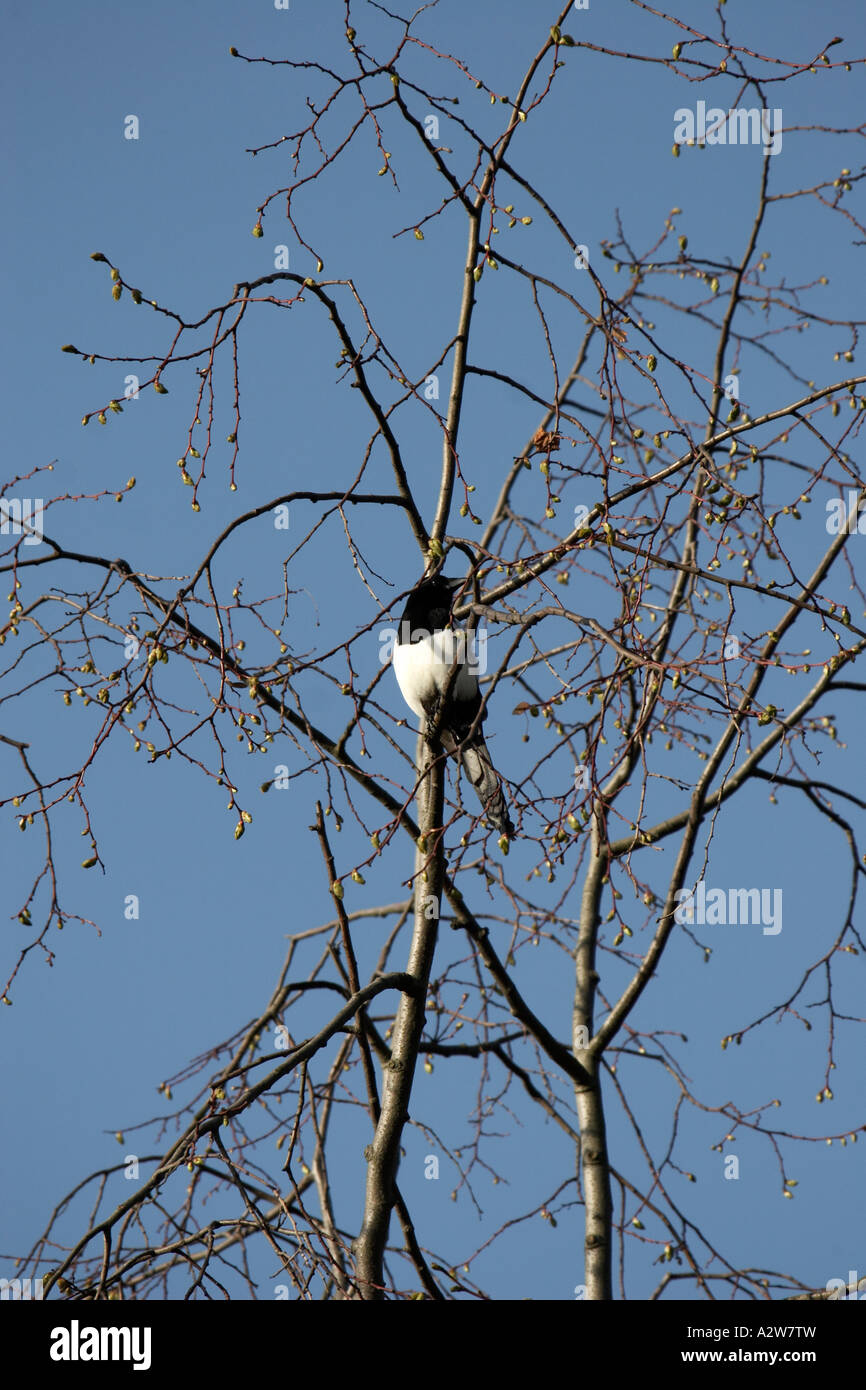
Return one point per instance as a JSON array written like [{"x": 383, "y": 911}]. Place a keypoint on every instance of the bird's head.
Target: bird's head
[
  {"x": 429, "y": 604},
  {"x": 440, "y": 588}
]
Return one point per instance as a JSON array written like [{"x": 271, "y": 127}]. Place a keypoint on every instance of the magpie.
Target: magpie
[{"x": 431, "y": 663}]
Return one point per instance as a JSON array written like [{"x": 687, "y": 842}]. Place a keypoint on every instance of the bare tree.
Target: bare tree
[{"x": 713, "y": 639}]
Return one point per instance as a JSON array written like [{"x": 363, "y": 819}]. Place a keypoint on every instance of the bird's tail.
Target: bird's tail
[{"x": 478, "y": 766}]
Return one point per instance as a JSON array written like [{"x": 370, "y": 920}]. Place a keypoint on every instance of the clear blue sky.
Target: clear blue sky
[{"x": 87, "y": 1042}]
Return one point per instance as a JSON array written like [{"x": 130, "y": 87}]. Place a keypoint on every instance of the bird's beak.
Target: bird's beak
[{"x": 455, "y": 585}]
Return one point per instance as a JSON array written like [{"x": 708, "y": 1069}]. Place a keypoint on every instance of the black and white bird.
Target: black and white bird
[{"x": 432, "y": 659}]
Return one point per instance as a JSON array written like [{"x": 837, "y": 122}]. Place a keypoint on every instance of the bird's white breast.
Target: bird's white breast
[{"x": 423, "y": 669}]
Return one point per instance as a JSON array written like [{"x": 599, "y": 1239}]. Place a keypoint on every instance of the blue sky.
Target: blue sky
[{"x": 88, "y": 1040}]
